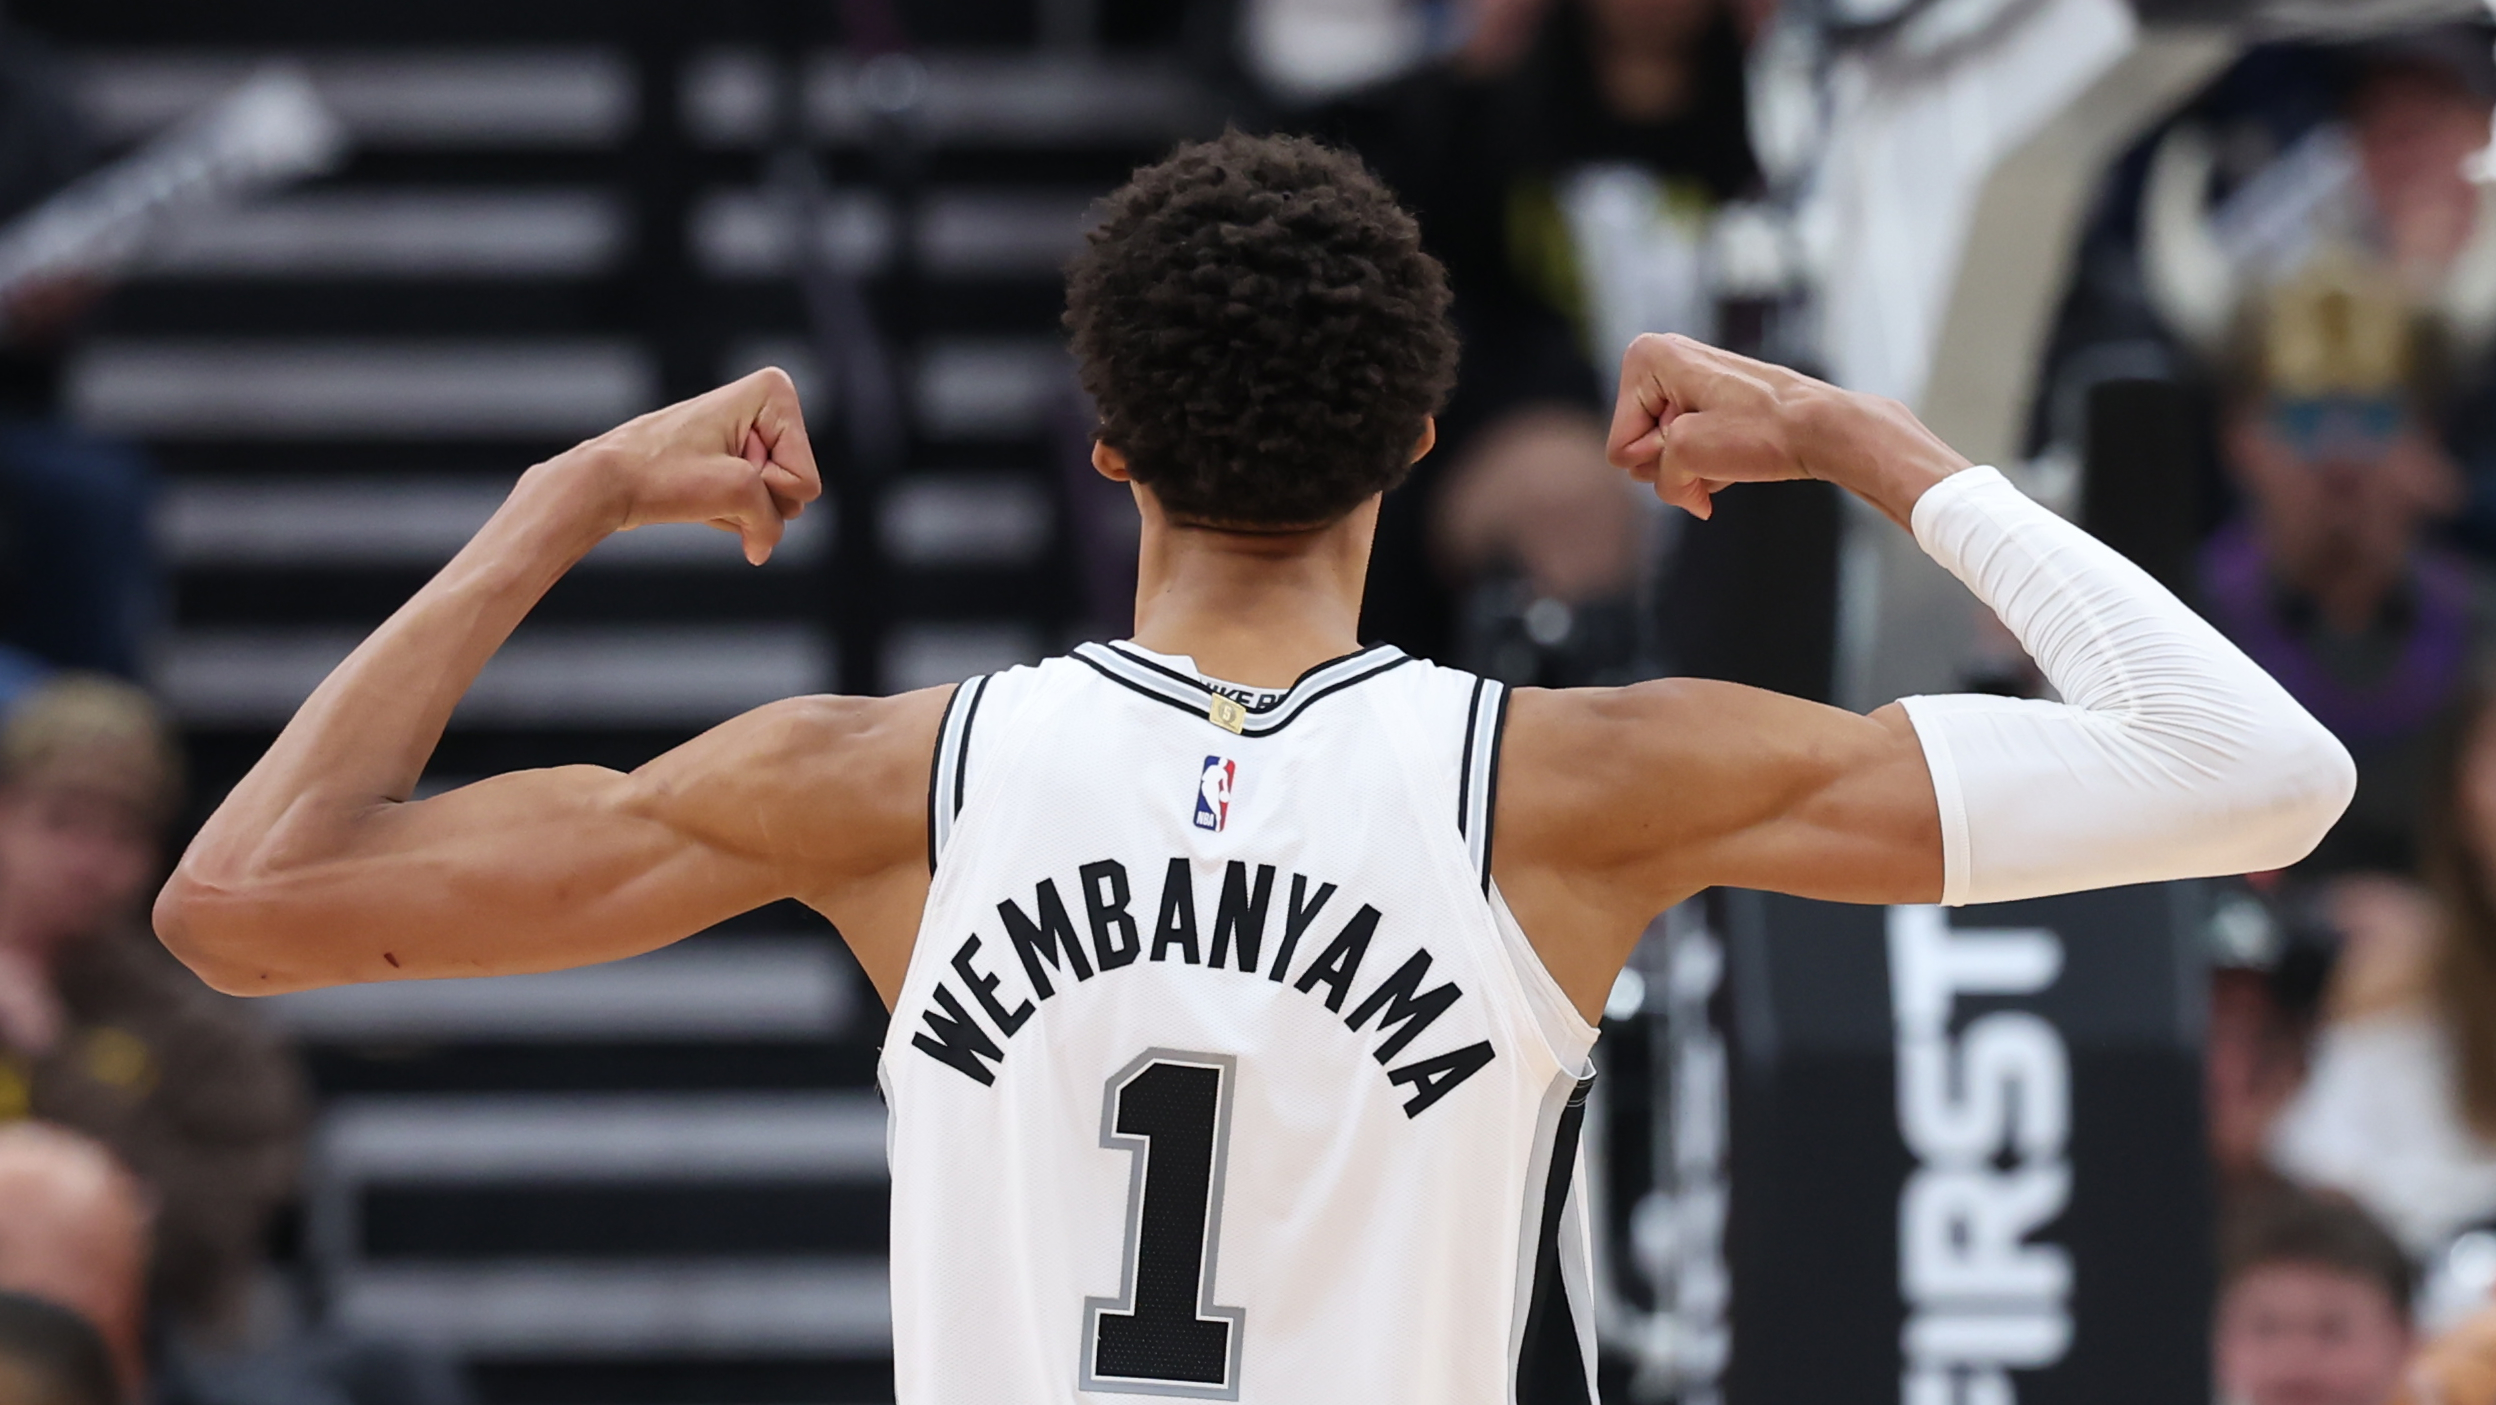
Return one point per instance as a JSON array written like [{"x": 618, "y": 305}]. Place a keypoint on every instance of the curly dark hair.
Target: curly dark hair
[{"x": 1262, "y": 333}]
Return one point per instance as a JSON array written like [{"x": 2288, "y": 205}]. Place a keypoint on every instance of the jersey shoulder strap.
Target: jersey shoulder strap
[
  {"x": 948, "y": 777},
  {"x": 1477, "y": 783}
]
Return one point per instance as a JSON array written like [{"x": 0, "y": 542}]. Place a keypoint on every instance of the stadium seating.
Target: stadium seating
[{"x": 659, "y": 1181}]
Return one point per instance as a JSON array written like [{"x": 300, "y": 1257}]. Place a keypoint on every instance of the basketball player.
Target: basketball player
[{"x": 1243, "y": 978}]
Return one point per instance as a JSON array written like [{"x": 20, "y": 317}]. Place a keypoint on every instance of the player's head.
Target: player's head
[{"x": 1263, "y": 335}]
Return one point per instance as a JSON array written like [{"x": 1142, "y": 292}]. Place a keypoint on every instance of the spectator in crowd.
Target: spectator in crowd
[
  {"x": 2255, "y": 1060},
  {"x": 2328, "y": 577},
  {"x": 1565, "y": 170},
  {"x": 50, "y": 1355},
  {"x": 2417, "y": 111},
  {"x": 73, "y": 1232},
  {"x": 100, "y": 1029},
  {"x": 2270, "y": 957},
  {"x": 2296, "y": 144},
  {"x": 2314, "y": 1301},
  {"x": 2401, "y": 1108},
  {"x": 78, "y": 587}
]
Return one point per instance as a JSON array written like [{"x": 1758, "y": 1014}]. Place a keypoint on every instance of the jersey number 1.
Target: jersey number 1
[{"x": 1162, "y": 1335}]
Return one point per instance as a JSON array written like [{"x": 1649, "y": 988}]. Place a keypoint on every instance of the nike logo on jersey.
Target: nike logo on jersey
[
  {"x": 1050, "y": 950},
  {"x": 1213, "y": 793},
  {"x": 1253, "y": 699}
]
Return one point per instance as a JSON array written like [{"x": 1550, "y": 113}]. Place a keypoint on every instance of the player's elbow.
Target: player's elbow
[
  {"x": 188, "y": 922},
  {"x": 219, "y": 930},
  {"x": 2266, "y": 781},
  {"x": 2330, "y": 775},
  {"x": 2303, "y": 779}
]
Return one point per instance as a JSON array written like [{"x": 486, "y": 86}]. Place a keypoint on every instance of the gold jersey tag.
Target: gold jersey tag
[{"x": 1226, "y": 714}]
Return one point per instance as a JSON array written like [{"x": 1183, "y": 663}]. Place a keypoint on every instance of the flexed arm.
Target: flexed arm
[
  {"x": 2172, "y": 755},
  {"x": 319, "y": 869}
]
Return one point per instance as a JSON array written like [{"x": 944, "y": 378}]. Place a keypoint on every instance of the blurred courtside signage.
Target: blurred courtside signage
[
  {"x": 1967, "y": 1156},
  {"x": 1985, "y": 1111}
]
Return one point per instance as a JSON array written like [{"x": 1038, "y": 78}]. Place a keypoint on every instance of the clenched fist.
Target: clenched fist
[
  {"x": 1693, "y": 419},
  {"x": 735, "y": 458}
]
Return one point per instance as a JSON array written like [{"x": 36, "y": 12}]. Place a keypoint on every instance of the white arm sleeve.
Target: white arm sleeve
[{"x": 2172, "y": 755}]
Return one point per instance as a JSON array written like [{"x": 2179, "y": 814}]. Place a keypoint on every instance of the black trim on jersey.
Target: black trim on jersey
[
  {"x": 1126, "y": 681},
  {"x": 935, "y": 773},
  {"x": 1490, "y": 788},
  {"x": 1194, "y": 696},
  {"x": 1551, "y": 1360},
  {"x": 1305, "y": 699},
  {"x": 957, "y": 750},
  {"x": 1131, "y": 655},
  {"x": 1477, "y": 781},
  {"x": 962, "y": 762}
]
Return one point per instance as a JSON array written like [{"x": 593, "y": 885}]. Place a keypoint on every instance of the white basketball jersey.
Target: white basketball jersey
[{"x": 1220, "y": 1069}]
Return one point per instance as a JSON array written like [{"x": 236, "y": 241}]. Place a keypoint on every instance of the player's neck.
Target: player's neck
[{"x": 1253, "y": 608}]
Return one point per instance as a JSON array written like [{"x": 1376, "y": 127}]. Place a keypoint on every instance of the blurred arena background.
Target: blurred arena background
[{"x": 2214, "y": 277}]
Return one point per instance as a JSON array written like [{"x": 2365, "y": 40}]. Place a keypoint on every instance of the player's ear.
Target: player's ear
[
  {"x": 1429, "y": 439},
  {"x": 1109, "y": 463}
]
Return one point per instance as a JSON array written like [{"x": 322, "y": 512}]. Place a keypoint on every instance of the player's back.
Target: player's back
[{"x": 1219, "y": 1071}]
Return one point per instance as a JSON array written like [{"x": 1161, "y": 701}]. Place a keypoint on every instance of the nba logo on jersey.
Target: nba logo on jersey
[{"x": 1213, "y": 793}]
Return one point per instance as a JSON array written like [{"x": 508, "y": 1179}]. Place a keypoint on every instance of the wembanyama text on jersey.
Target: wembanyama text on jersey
[{"x": 1220, "y": 1069}]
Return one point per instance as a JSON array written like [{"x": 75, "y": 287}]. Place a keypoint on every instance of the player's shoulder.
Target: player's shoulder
[
  {"x": 817, "y": 720},
  {"x": 901, "y": 729},
  {"x": 1661, "y": 713},
  {"x": 1676, "y": 745},
  {"x": 868, "y": 744},
  {"x": 836, "y": 783}
]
